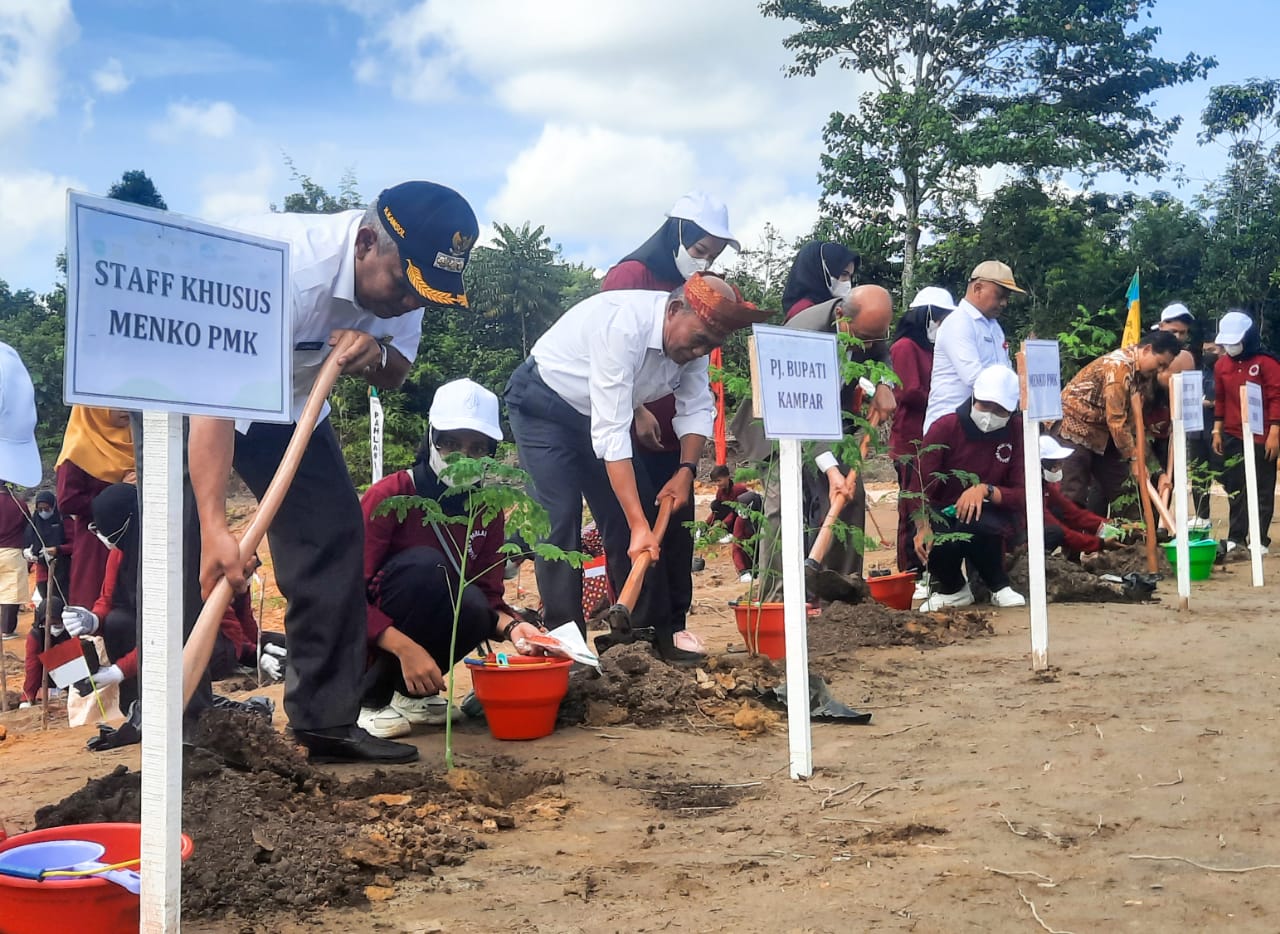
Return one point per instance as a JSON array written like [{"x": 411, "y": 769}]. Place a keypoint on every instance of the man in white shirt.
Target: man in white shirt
[
  {"x": 360, "y": 282},
  {"x": 571, "y": 406},
  {"x": 970, "y": 339}
]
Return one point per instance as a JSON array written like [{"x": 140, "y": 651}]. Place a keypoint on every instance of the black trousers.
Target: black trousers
[
  {"x": 984, "y": 549},
  {"x": 674, "y": 571},
  {"x": 416, "y": 589},
  {"x": 554, "y": 443},
  {"x": 120, "y": 635},
  {"x": 317, "y": 546},
  {"x": 1238, "y": 502}
]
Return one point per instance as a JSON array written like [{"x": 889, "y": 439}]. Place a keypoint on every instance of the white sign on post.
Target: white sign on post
[
  {"x": 1044, "y": 381},
  {"x": 1042, "y": 402},
  {"x": 1254, "y": 392},
  {"x": 1186, "y": 405},
  {"x": 1252, "y": 416},
  {"x": 170, "y": 315},
  {"x": 799, "y": 376},
  {"x": 162, "y": 308},
  {"x": 1191, "y": 398}
]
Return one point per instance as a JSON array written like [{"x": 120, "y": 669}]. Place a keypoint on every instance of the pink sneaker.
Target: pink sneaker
[{"x": 689, "y": 642}]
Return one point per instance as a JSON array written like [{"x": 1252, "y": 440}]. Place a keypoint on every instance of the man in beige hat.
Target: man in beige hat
[{"x": 970, "y": 340}]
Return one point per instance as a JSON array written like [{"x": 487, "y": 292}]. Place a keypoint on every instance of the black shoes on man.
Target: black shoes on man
[{"x": 352, "y": 744}]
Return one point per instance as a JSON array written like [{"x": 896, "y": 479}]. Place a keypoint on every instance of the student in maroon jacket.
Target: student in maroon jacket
[
  {"x": 14, "y": 519},
  {"x": 821, "y": 271},
  {"x": 1072, "y": 528},
  {"x": 724, "y": 515},
  {"x": 981, "y": 440},
  {"x": 413, "y": 569},
  {"x": 1245, "y": 361},
  {"x": 912, "y": 356}
]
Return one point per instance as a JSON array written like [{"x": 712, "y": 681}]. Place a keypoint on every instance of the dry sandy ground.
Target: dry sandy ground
[{"x": 981, "y": 798}]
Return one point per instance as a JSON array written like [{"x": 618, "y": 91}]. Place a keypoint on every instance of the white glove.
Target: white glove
[
  {"x": 79, "y": 621},
  {"x": 29, "y": 553},
  {"x": 108, "y": 676},
  {"x": 272, "y": 665}
]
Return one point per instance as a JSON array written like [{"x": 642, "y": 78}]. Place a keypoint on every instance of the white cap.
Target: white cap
[
  {"x": 707, "y": 212},
  {"x": 934, "y": 295},
  {"x": 19, "y": 456},
  {"x": 1175, "y": 311},
  {"x": 1232, "y": 327},
  {"x": 463, "y": 404},
  {"x": 1051, "y": 449},
  {"x": 997, "y": 384}
]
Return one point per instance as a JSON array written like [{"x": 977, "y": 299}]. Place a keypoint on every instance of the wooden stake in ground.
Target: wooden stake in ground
[{"x": 1141, "y": 479}]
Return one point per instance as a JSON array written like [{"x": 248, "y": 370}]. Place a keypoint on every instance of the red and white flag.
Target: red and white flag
[{"x": 65, "y": 663}]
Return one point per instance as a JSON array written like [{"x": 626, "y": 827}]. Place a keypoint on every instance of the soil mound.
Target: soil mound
[
  {"x": 843, "y": 627},
  {"x": 633, "y": 686},
  {"x": 1066, "y": 582}
]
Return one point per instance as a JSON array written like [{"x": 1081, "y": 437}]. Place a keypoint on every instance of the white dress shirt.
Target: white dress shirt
[
  {"x": 968, "y": 342},
  {"x": 322, "y": 257},
  {"x": 604, "y": 357}
]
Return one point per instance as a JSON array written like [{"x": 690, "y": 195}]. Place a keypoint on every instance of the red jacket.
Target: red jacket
[
  {"x": 76, "y": 492},
  {"x": 385, "y": 535},
  {"x": 914, "y": 366},
  {"x": 1079, "y": 525},
  {"x": 996, "y": 458},
  {"x": 128, "y": 663},
  {"x": 723, "y": 507},
  {"x": 798, "y": 307},
  {"x": 1229, "y": 374}
]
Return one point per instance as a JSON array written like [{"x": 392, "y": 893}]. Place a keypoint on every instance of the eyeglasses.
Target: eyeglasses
[
  {"x": 474, "y": 449},
  {"x": 112, "y": 540}
]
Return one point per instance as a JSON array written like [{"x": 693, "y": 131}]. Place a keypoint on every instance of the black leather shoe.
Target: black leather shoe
[
  {"x": 670, "y": 653},
  {"x": 352, "y": 744}
]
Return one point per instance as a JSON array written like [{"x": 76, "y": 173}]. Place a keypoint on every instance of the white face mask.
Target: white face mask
[
  {"x": 987, "y": 421},
  {"x": 931, "y": 330},
  {"x": 1052, "y": 476},
  {"x": 1233, "y": 350},
  {"x": 687, "y": 264},
  {"x": 45, "y": 513},
  {"x": 840, "y": 288},
  {"x": 438, "y": 464}
]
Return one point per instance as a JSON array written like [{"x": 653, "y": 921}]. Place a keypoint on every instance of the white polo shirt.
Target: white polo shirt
[
  {"x": 322, "y": 266},
  {"x": 604, "y": 357},
  {"x": 968, "y": 342}
]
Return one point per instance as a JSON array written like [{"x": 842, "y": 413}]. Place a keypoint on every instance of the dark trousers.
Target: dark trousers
[
  {"x": 1093, "y": 481},
  {"x": 8, "y": 618},
  {"x": 983, "y": 550},
  {"x": 673, "y": 573},
  {"x": 554, "y": 443},
  {"x": 416, "y": 589},
  {"x": 317, "y": 546},
  {"x": 1238, "y": 502},
  {"x": 908, "y": 503},
  {"x": 120, "y": 635}
]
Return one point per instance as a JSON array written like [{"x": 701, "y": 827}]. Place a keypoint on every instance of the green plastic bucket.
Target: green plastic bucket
[{"x": 1203, "y": 553}]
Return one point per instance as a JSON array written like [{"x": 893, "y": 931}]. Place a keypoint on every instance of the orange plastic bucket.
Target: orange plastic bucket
[
  {"x": 762, "y": 625},
  {"x": 894, "y": 590},
  {"x": 521, "y": 700},
  {"x": 28, "y": 906}
]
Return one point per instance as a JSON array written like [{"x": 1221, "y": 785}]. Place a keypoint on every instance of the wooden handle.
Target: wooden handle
[
  {"x": 631, "y": 589},
  {"x": 1161, "y": 507},
  {"x": 1142, "y": 480},
  {"x": 822, "y": 544},
  {"x": 199, "y": 646}
]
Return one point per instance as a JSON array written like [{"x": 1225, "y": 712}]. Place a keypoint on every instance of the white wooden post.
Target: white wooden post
[
  {"x": 161, "y": 607},
  {"x": 1251, "y": 486},
  {"x": 375, "y": 434},
  {"x": 1182, "y": 543},
  {"x": 795, "y": 621},
  {"x": 1038, "y": 597}
]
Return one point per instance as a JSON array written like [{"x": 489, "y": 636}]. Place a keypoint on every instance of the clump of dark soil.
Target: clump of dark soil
[
  {"x": 846, "y": 626},
  {"x": 691, "y": 798},
  {"x": 272, "y": 833},
  {"x": 633, "y": 686},
  {"x": 1126, "y": 561},
  {"x": 901, "y": 833},
  {"x": 1066, "y": 582}
]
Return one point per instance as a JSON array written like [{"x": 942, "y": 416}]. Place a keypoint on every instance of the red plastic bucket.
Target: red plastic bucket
[
  {"x": 761, "y": 624},
  {"x": 89, "y": 904},
  {"x": 894, "y": 590},
  {"x": 521, "y": 700}
]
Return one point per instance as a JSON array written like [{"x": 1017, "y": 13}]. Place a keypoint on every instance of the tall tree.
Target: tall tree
[
  {"x": 516, "y": 285},
  {"x": 313, "y": 198},
  {"x": 135, "y": 187},
  {"x": 1040, "y": 85}
]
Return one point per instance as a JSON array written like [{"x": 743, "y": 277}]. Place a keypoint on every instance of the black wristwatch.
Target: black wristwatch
[
  {"x": 693, "y": 468},
  {"x": 507, "y": 629},
  {"x": 987, "y": 497}
]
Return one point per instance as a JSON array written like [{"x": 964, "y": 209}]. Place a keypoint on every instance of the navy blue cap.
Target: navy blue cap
[{"x": 435, "y": 229}]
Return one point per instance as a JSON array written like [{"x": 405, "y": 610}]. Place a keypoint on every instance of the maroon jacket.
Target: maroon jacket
[
  {"x": 13, "y": 519},
  {"x": 76, "y": 492},
  {"x": 1079, "y": 525},
  {"x": 995, "y": 457},
  {"x": 386, "y": 535},
  {"x": 1229, "y": 374},
  {"x": 723, "y": 507},
  {"x": 913, "y": 365}
]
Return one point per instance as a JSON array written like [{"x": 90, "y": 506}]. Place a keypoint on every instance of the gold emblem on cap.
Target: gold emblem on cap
[
  {"x": 391, "y": 219},
  {"x": 434, "y": 296},
  {"x": 461, "y": 243}
]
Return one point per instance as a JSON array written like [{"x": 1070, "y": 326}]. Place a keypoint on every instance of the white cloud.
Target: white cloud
[
  {"x": 110, "y": 78},
  {"x": 228, "y": 195},
  {"x": 31, "y": 33},
  {"x": 215, "y": 120},
  {"x": 36, "y": 203}
]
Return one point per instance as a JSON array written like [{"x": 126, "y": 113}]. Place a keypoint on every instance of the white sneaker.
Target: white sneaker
[
  {"x": 1199, "y": 524},
  {"x": 725, "y": 539},
  {"x": 942, "y": 601},
  {"x": 922, "y": 590},
  {"x": 384, "y": 723},
  {"x": 1231, "y": 546},
  {"x": 1007, "y": 596},
  {"x": 432, "y": 710},
  {"x": 746, "y": 578},
  {"x": 25, "y": 704}
]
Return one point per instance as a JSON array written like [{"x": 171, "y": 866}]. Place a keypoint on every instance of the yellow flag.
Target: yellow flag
[{"x": 1133, "y": 323}]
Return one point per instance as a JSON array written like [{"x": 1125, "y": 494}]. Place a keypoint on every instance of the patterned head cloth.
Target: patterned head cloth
[{"x": 722, "y": 313}]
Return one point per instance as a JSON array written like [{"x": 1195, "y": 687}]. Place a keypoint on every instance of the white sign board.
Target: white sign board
[
  {"x": 1254, "y": 392},
  {"x": 1044, "y": 381},
  {"x": 1192, "y": 398},
  {"x": 166, "y": 313},
  {"x": 799, "y": 383}
]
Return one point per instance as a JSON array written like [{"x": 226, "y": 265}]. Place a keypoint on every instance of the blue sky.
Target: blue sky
[{"x": 588, "y": 117}]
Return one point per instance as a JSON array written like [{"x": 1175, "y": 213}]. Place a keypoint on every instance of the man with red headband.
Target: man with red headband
[{"x": 571, "y": 405}]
